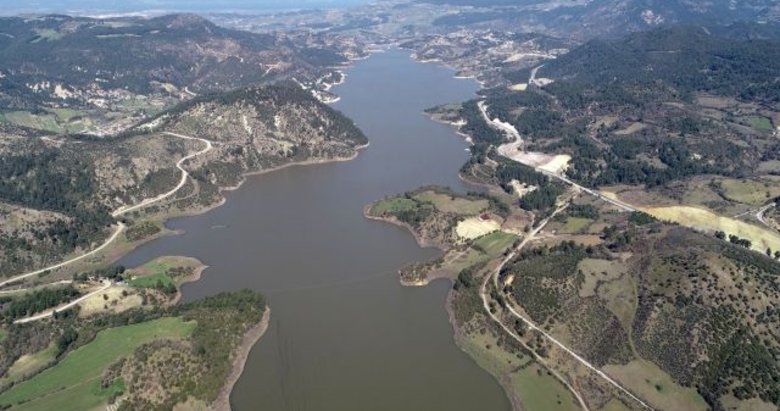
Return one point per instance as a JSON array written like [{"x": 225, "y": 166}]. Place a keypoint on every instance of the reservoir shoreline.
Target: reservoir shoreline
[
  {"x": 251, "y": 337},
  {"x": 344, "y": 338}
]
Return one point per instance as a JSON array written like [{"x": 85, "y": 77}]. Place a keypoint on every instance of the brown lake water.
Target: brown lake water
[{"x": 344, "y": 334}]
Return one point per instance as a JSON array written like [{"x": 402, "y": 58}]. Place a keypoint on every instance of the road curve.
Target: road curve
[
  {"x": 124, "y": 210},
  {"x": 49, "y": 313},
  {"x": 183, "y": 180},
  {"x": 119, "y": 228},
  {"x": 483, "y": 292},
  {"x": 484, "y": 295},
  {"x": 760, "y": 214}
]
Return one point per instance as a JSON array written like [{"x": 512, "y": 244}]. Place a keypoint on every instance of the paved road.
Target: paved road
[{"x": 123, "y": 210}]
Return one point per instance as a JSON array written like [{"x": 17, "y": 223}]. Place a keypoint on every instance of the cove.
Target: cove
[{"x": 344, "y": 334}]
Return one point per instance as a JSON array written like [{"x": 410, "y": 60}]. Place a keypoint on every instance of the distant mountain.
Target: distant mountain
[
  {"x": 613, "y": 18},
  {"x": 199, "y": 6},
  {"x": 57, "y": 58},
  {"x": 484, "y": 3}
]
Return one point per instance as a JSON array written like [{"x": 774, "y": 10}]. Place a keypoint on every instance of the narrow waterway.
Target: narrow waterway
[{"x": 344, "y": 334}]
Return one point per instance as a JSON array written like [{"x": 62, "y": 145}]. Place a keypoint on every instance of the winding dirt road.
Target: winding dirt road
[
  {"x": 183, "y": 180},
  {"x": 124, "y": 210},
  {"x": 50, "y": 312},
  {"x": 486, "y": 305},
  {"x": 506, "y": 150},
  {"x": 760, "y": 215}
]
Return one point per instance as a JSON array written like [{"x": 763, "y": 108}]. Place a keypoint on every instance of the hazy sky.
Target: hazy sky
[{"x": 26, "y": 6}]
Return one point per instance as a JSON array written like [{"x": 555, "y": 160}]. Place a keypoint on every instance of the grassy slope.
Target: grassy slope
[
  {"x": 152, "y": 280},
  {"x": 699, "y": 218},
  {"x": 29, "y": 364},
  {"x": 656, "y": 386},
  {"x": 56, "y": 388},
  {"x": 392, "y": 205},
  {"x": 536, "y": 390}
]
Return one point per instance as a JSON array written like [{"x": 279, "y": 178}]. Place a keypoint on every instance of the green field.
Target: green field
[
  {"x": 574, "y": 225},
  {"x": 541, "y": 391},
  {"x": 48, "y": 35},
  {"x": 155, "y": 271},
  {"x": 598, "y": 270},
  {"x": 152, "y": 281},
  {"x": 495, "y": 243},
  {"x": 759, "y": 123},
  {"x": 159, "y": 265},
  {"x": 66, "y": 114},
  {"x": 656, "y": 386},
  {"x": 56, "y": 120},
  {"x": 528, "y": 381},
  {"x": 393, "y": 205},
  {"x": 73, "y": 384},
  {"x": 614, "y": 405},
  {"x": 456, "y": 205}
]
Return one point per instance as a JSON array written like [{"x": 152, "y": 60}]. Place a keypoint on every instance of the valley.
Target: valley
[{"x": 591, "y": 190}]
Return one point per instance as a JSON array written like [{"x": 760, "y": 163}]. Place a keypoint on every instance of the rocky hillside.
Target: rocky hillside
[
  {"x": 73, "y": 184},
  {"x": 261, "y": 128}
]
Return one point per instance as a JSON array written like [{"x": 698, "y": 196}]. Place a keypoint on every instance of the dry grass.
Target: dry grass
[
  {"x": 191, "y": 404},
  {"x": 749, "y": 191},
  {"x": 521, "y": 189},
  {"x": 29, "y": 364},
  {"x": 716, "y": 102},
  {"x": 754, "y": 404},
  {"x": 631, "y": 129},
  {"x": 701, "y": 219},
  {"x": 596, "y": 271},
  {"x": 475, "y": 227},
  {"x": 111, "y": 300},
  {"x": 548, "y": 162},
  {"x": 771, "y": 166},
  {"x": 620, "y": 297}
]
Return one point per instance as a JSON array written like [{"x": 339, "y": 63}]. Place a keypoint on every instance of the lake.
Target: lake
[{"x": 344, "y": 334}]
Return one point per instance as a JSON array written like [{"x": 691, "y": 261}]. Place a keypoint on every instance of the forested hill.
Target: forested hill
[
  {"x": 84, "y": 57},
  {"x": 257, "y": 113},
  {"x": 677, "y": 60},
  {"x": 607, "y": 18},
  {"x": 748, "y": 31},
  {"x": 652, "y": 108},
  {"x": 70, "y": 185}
]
